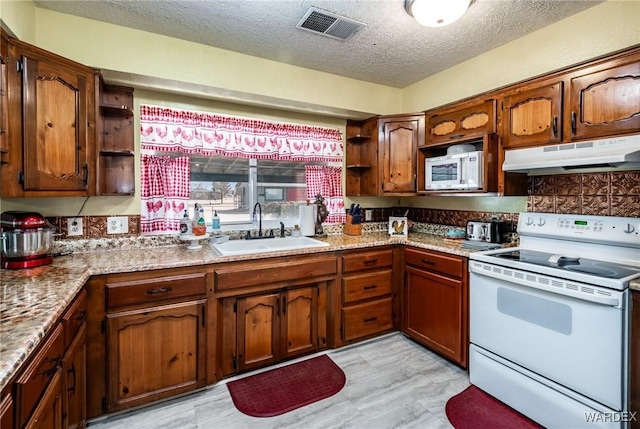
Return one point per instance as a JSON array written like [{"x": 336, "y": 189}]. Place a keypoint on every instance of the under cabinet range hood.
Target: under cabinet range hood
[{"x": 619, "y": 153}]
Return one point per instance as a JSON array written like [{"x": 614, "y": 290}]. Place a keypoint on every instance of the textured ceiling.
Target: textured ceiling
[{"x": 392, "y": 49}]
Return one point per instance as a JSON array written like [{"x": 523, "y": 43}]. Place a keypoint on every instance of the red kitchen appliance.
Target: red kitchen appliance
[{"x": 27, "y": 240}]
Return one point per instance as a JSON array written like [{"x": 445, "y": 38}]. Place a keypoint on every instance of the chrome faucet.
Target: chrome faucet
[{"x": 258, "y": 206}]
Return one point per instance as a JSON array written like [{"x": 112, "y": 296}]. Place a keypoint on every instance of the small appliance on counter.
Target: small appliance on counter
[
  {"x": 27, "y": 240},
  {"x": 492, "y": 231}
]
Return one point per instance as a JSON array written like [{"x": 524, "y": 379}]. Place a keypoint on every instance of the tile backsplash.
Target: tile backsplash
[{"x": 604, "y": 194}]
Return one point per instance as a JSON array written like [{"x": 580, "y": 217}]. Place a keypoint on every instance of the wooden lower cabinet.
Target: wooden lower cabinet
[
  {"x": 75, "y": 382},
  {"x": 367, "y": 294},
  {"x": 156, "y": 352},
  {"x": 436, "y": 303},
  {"x": 276, "y": 326},
  {"x": 6, "y": 411},
  {"x": 48, "y": 413}
]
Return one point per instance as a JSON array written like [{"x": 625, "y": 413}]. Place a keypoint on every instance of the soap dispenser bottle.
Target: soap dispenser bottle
[
  {"x": 215, "y": 221},
  {"x": 201, "y": 227},
  {"x": 185, "y": 224}
]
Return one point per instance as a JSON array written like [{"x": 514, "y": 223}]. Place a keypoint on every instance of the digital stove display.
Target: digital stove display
[{"x": 571, "y": 263}]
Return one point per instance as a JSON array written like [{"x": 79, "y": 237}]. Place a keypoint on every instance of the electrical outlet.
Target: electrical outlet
[
  {"x": 74, "y": 226},
  {"x": 117, "y": 225},
  {"x": 368, "y": 214}
]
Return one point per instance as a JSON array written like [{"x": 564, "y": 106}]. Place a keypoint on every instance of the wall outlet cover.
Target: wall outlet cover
[
  {"x": 74, "y": 226},
  {"x": 368, "y": 214},
  {"x": 117, "y": 225}
]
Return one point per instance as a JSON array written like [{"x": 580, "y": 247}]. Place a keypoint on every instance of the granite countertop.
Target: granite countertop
[{"x": 31, "y": 300}]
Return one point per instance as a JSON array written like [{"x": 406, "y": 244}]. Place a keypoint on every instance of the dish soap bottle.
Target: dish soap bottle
[
  {"x": 185, "y": 224},
  {"x": 215, "y": 221},
  {"x": 201, "y": 227}
]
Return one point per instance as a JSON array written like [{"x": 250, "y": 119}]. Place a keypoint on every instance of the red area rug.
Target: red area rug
[
  {"x": 475, "y": 409},
  {"x": 280, "y": 390}
]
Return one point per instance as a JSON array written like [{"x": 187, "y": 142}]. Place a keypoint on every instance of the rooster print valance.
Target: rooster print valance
[{"x": 170, "y": 130}]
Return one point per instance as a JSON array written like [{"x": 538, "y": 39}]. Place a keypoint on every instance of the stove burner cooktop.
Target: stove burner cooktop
[{"x": 592, "y": 267}]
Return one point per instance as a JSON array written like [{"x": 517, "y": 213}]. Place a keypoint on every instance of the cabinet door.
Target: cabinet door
[
  {"x": 462, "y": 123},
  {"x": 48, "y": 413},
  {"x": 155, "y": 353},
  {"x": 258, "y": 333},
  {"x": 55, "y": 126},
  {"x": 6, "y": 411},
  {"x": 533, "y": 117},
  {"x": 300, "y": 321},
  {"x": 4, "y": 142},
  {"x": 75, "y": 381},
  {"x": 435, "y": 313},
  {"x": 605, "y": 103},
  {"x": 400, "y": 141}
]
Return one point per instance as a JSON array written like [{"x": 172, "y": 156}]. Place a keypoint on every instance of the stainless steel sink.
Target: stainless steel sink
[{"x": 244, "y": 247}]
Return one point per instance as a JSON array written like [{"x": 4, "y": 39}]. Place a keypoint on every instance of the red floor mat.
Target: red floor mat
[
  {"x": 475, "y": 409},
  {"x": 280, "y": 390}
]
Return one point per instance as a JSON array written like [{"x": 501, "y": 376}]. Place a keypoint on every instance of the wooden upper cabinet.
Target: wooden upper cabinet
[
  {"x": 606, "y": 102},
  {"x": 532, "y": 117},
  {"x": 461, "y": 122},
  {"x": 400, "y": 137},
  {"x": 52, "y": 140},
  {"x": 361, "y": 158},
  {"x": 54, "y": 126}
]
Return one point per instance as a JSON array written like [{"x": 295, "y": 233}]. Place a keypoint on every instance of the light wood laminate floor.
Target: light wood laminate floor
[{"x": 392, "y": 382}]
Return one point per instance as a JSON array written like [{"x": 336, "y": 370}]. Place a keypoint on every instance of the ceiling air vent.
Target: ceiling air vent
[{"x": 329, "y": 24}]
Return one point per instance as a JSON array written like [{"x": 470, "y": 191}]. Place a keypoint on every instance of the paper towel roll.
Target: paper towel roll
[{"x": 308, "y": 220}]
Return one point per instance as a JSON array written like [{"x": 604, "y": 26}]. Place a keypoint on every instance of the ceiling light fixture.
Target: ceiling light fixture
[{"x": 436, "y": 13}]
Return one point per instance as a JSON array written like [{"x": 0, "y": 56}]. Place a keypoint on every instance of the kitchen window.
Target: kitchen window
[
  {"x": 228, "y": 164},
  {"x": 232, "y": 186}
]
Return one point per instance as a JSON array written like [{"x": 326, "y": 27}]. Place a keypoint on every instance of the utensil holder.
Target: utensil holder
[{"x": 350, "y": 228}]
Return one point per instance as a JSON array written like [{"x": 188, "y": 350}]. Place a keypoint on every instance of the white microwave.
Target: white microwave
[{"x": 459, "y": 171}]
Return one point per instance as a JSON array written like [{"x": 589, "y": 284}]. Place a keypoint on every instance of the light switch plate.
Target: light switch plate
[
  {"x": 117, "y": 225},
  {"x": 74, "y": 226}
]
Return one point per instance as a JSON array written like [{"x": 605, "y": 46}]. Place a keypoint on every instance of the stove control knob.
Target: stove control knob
[
  {"x": 529, "y": 221},
  {"x": 630, "y": 229},
  {"x": 541, "y": 221}
]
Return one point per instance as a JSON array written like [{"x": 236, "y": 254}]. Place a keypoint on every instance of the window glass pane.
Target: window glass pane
[{"x": 232, "y": 186}]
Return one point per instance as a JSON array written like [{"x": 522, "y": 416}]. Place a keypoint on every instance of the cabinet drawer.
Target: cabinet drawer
[
  {"x": 434, "y": 261},
  {"x": 258, "y": 274},
  {"x": 365, "y": 286},
  {"x": 366, "y": 260},
  {"x": 158, "y": 289},
  {"x": 367, "y": 319},
  {"x": 33, "y": 381},
  {"x": 74, "y": 317}
]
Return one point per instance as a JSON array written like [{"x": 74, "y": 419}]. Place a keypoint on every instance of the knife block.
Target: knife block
[{"x": 350, "y": 228}]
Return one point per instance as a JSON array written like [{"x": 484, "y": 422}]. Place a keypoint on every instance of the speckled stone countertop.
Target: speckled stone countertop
[
  {"x": 31, "y": 300},
  {"x": 635, "y": 285}
]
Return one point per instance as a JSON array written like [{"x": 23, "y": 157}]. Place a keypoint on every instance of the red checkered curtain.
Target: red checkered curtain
[
  {"x": 326, "y": 181},
  {"x": 165, "y": 193}
]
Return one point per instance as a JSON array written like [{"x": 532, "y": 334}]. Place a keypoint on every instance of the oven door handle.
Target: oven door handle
[{"x": 480, "y": 269}]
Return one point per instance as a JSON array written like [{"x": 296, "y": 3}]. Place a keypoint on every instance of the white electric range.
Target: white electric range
[{"x": 549, "y": 319}]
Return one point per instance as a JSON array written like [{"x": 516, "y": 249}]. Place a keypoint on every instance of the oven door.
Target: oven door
[{"x": 577, "y": 343}]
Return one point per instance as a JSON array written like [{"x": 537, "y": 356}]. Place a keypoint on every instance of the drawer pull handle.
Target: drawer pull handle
[
  {"x": 371, "y": 262},
  {"x": 428, "y": 262},
  {"x": 159, "y": 290},
  {"x": 370, "y": 287},
  {"x": 370, "y": 319},
  {"x": 72, "y": 371}
]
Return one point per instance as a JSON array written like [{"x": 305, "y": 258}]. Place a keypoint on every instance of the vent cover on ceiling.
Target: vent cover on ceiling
[{"x": 329, "y": 24}]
